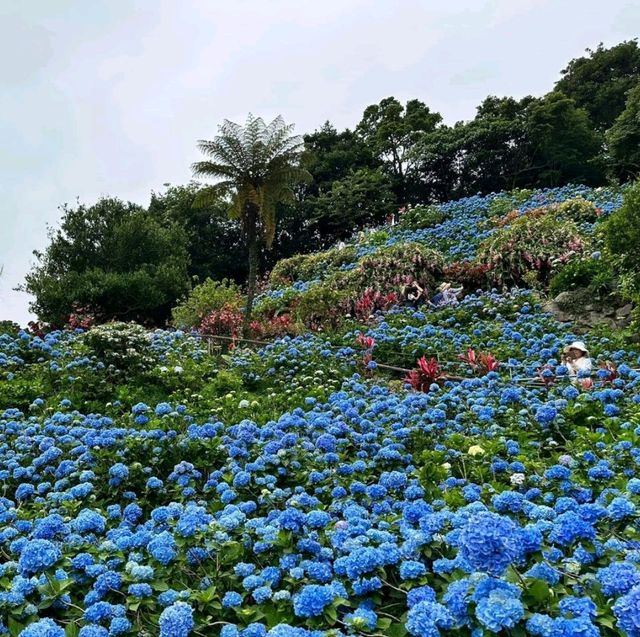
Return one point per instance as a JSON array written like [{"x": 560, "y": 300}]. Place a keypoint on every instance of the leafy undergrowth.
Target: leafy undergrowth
[{"x": 304, "y": 489}]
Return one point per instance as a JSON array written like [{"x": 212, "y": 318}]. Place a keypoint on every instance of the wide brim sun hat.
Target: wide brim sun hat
[
  {"x": 444, "y": 286},
  {"x": 579, "y": 345}
]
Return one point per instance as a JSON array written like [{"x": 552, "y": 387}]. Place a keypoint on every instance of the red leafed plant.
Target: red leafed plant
[
  {"x": 469, "y": 275},
  {"x": 81, "y": 318},
  {"x": 275, "y": 326},
  {"x": 366, "y": 342},
  {"x": 470, "y": 358},
  {"x": 483, "y": 362},
  {"x": 223, "y": 322},
  {"x": 488, "y": 362},
  {"x": 426, "y": 374},
  {"x": 373, "y": 300}
]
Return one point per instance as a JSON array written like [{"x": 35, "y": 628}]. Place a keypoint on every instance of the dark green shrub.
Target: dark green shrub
[
  {"x": 578, "y": 273},
  {"x": 204, "y": 299},
  {"x": 622, "y": 240},
  {"x": 622, "y": 232},
  {"x": 9, "y": 327},
  {"x": 322, "y": 306}
]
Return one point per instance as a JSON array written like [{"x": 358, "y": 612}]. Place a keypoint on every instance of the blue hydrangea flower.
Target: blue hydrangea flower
[
  {"x": 42, "y": 628},
  {"x": 312, "y": 600},
  {"x": 489, "y": 543},
  {"x": 176, "y": 620}
]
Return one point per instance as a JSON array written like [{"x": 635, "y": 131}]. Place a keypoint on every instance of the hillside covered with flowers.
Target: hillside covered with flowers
[{"x": 377, "y": 467}]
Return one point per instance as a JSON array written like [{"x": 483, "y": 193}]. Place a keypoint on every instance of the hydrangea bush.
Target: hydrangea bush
[{"x": 304, "y": 490}]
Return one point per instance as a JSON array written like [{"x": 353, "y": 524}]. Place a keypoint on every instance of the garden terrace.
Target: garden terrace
[{"x": 301, "y": 489}]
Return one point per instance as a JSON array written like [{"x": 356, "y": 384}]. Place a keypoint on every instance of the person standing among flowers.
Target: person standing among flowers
[{"x": 576, "y": 358}]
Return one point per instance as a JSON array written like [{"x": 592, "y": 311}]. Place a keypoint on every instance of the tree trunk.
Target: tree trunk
[{"x": 252, "y": 244}]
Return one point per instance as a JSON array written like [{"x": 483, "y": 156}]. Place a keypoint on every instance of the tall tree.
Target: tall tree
[
  {"x": 599, "y": 82},
  {"x": 496, "y": 146},
  {"x": 257, "y": 165},
  {"x": 391, "y": 130},
  {"x": 114, "y": 257},
  {"x": 330, "y": 155},
  {"x": 215, "y": 245},
  {"x": 361, "y": 198},
  {"x": 438, "y": 158},
  {"x": 623, "y": 139},
  {"x": 564, "y": 146}
]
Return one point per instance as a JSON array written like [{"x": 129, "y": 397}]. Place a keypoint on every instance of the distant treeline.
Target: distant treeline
[{"x": 132, "y": 263}]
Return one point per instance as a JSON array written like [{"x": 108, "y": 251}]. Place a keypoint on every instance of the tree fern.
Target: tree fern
[{"x": 256, "y": 166}]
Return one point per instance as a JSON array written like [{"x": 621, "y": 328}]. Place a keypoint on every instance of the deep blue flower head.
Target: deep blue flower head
[
  {"x": 93, "y": 630},
  {"x": 627, "y": 610},
  {"x": 98, "y": 612},
  {"x": 426, "y": 618},
  {"x": 546, "y": 414},
  {"x": 89, "y": 521},
  {"x": 163, "y": 548},
  {"x": 489, "y": 543},
  {"x": 618, "y": 578},
  {"x": 176, "y": 620},
  {"x": 140, "y": 590},
  {"x": 540, "y": 625},
  {"x": 420, "y": 594},
  {"x": 38, "y": 556},
  {"x": 42, "y": 628},
  {"x": 410, "y": 569},
  {"x": 362, "y": 618},
  {"x": 312, "y": 600},
  {"x": 621, "y": 508},
  {"x": 119, "y": 625},
  {"x": 575, "y": 606},
  {"x": 231, "y": 599},
  {"x": 499, "y": 609},
  {"x": 162, "y": 409},
  {"x": 569, "y": 527}
]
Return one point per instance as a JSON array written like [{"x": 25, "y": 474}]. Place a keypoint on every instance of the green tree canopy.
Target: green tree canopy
[
  {"x": 113, "y": 257},
  {"x": 623, "y": 139},
  {"x": 623, "y": 233},
  {"x": 564, "y": 146},
  {"x": 391, "y": 130},
  {"x": 497, "y": 146},
  {"x": 330, "y": 155},
  {"x": 599, "y": 82},
  {"x": 362, "y": 198},
  {"x": 215, "y": 245}
]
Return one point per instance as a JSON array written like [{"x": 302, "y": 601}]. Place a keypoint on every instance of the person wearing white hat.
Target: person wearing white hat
[
  {"x": 576, "y": 358},
  {"x": 446, "y": 295}
]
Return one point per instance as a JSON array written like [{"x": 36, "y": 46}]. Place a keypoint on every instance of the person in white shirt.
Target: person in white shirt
[{"x": 576, "y": 358}]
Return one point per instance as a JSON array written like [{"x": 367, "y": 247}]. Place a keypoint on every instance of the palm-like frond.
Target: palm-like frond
[
  {"x": 211, "y": 195},
  {"x": 259, "y": 163}
]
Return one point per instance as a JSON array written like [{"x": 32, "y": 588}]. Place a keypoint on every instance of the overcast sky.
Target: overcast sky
[{"x": 109, "y": 97}]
